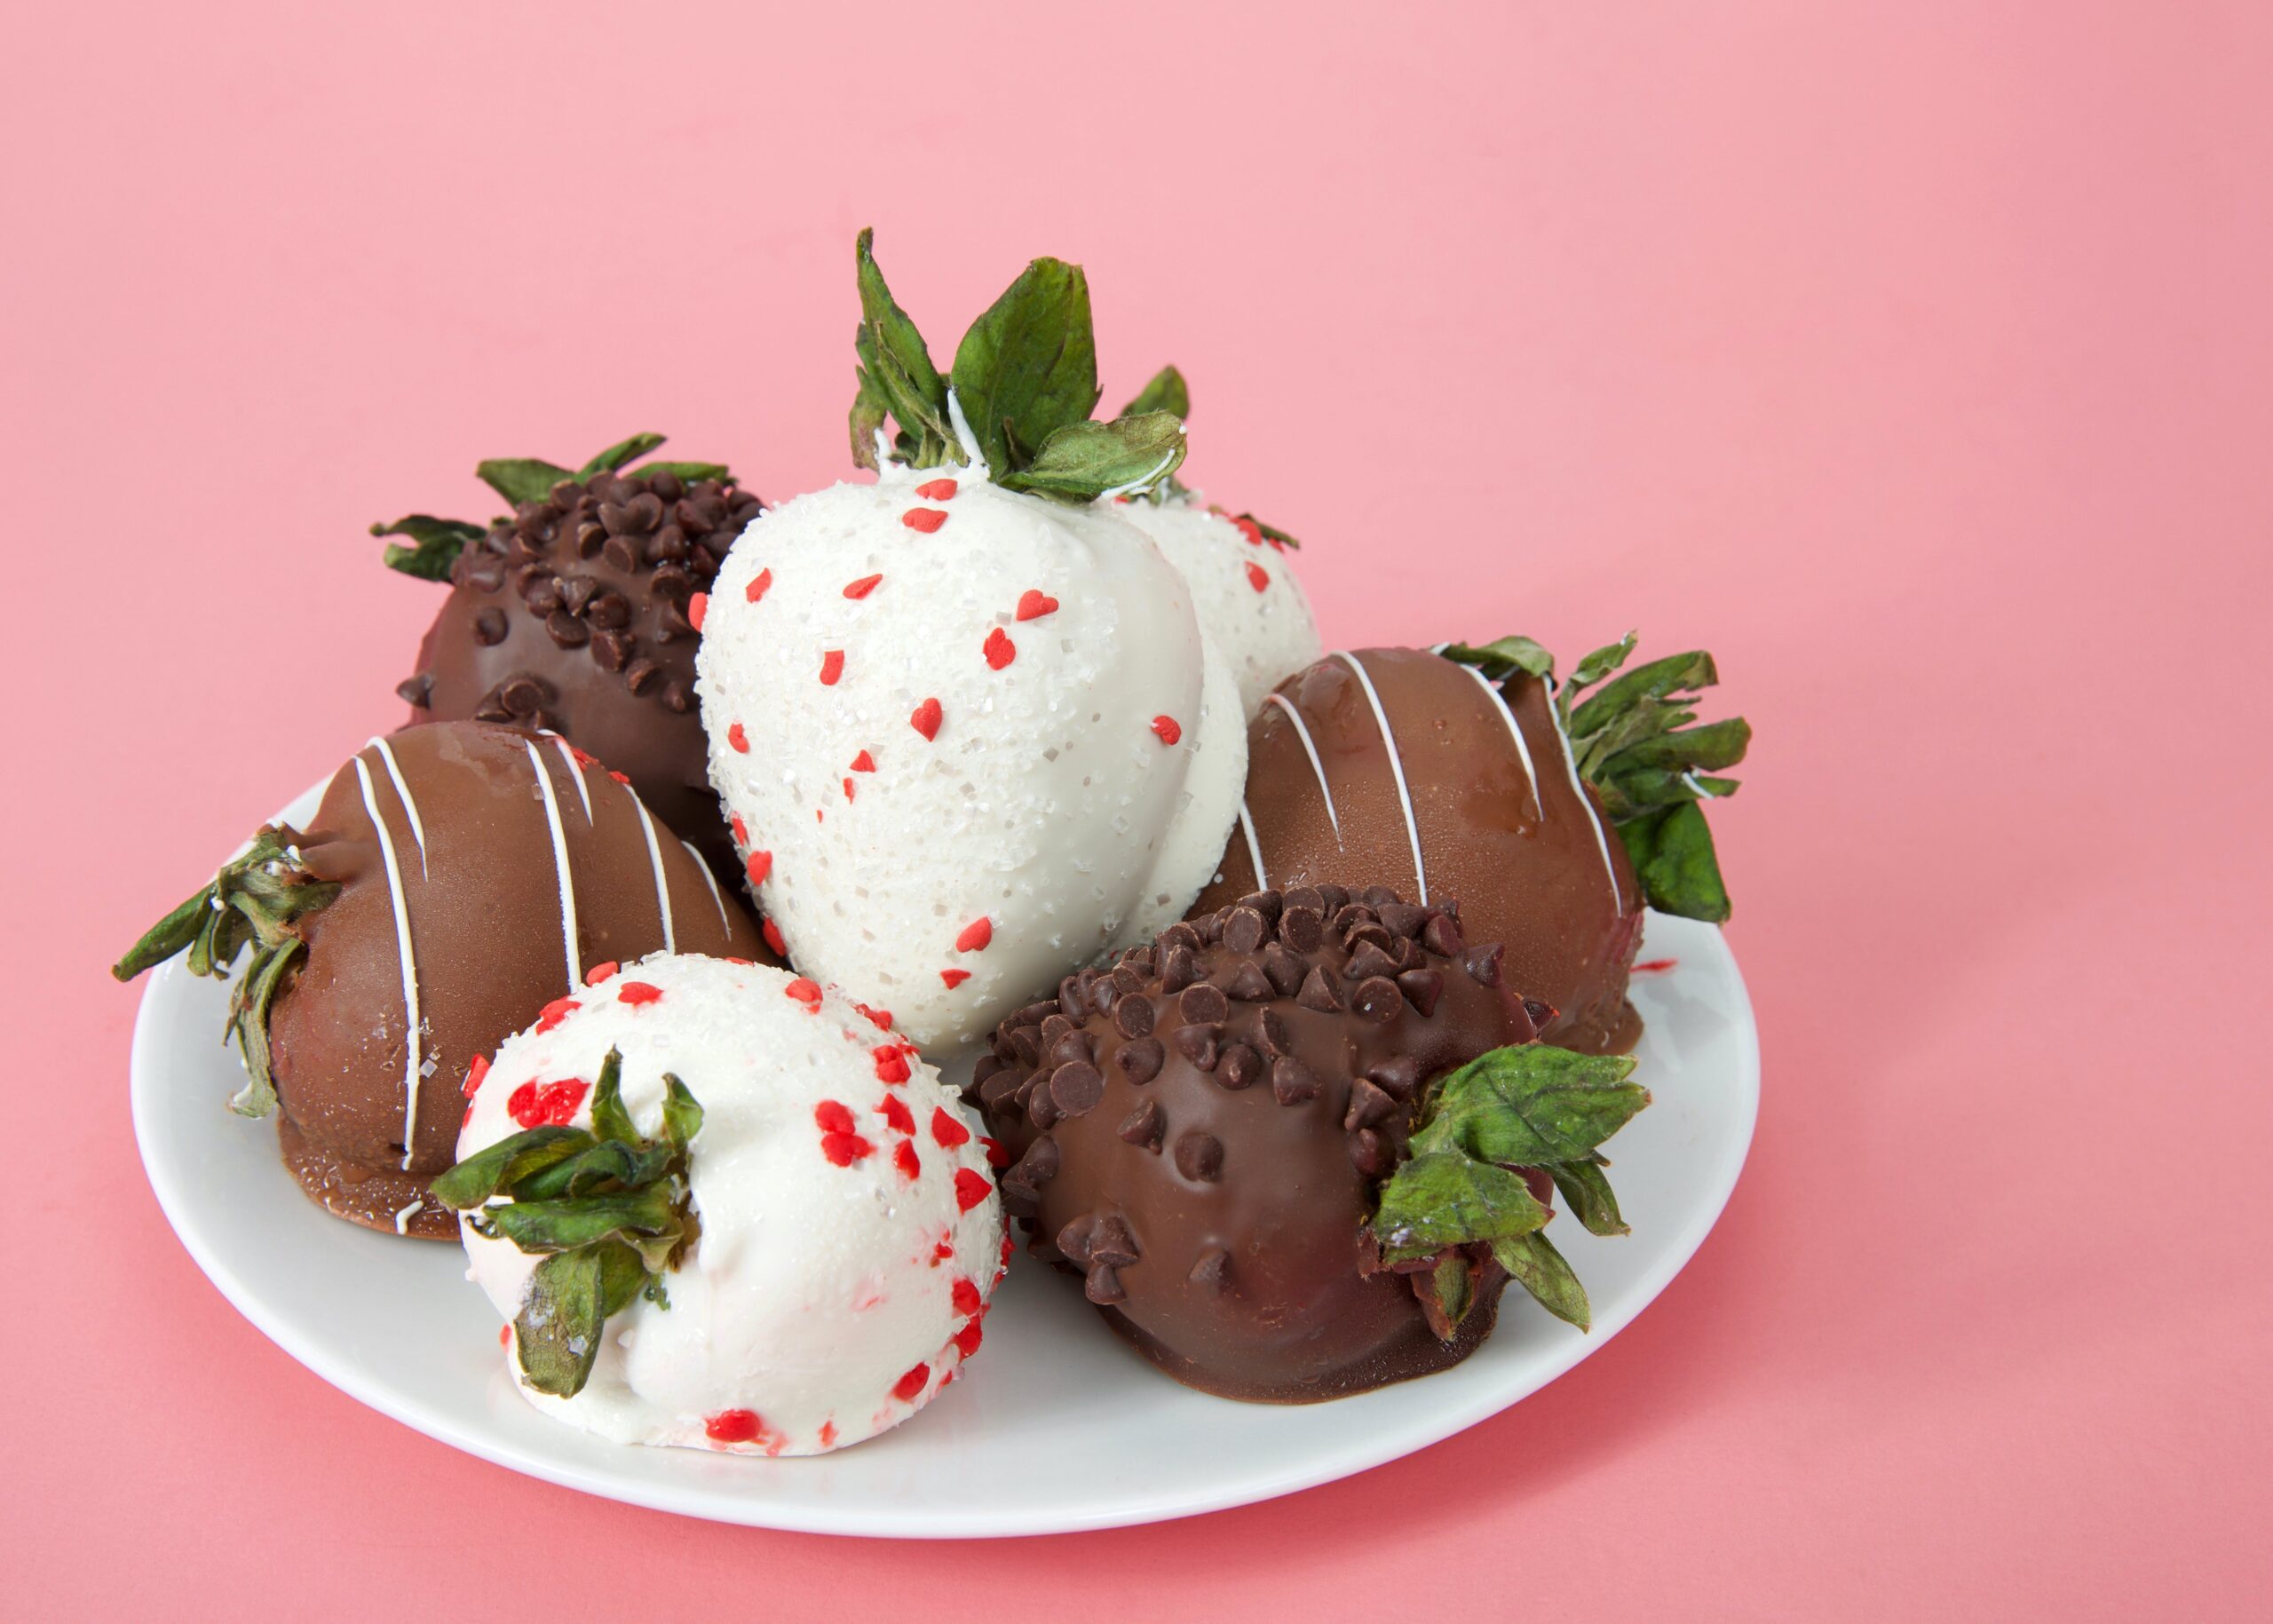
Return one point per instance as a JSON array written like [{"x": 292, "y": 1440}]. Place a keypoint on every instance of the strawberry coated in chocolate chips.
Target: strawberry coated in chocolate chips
[{"x": 1200, "y": 1131}]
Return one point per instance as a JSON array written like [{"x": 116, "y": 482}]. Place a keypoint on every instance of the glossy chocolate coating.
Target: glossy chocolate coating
[
  {"x": 1201, "y": 1131},
  {"x": 488, "y": 942},
  {"x": 573, "y": 616},
  {"x": 1533, "y": 865}
]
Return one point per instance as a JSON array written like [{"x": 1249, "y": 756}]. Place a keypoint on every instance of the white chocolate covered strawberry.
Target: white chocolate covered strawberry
[
  {"x": 966, "y": 721},
  {"x": 722, "y": 1208}
]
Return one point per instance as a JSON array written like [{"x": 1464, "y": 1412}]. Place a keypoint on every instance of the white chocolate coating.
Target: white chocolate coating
[
  {"x": 1053, "y": 801},
  {"x": 814, "y": 1290}
]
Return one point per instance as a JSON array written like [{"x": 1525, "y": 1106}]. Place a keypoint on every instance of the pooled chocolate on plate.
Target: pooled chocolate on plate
[
  {"x": 577, "y": 614},
  {"x": 458, "y": 881}
]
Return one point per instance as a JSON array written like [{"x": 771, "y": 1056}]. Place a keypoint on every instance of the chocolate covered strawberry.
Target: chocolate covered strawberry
[
  {"x": 968, "y": 727},
  {"x": 571, "y": 614}
]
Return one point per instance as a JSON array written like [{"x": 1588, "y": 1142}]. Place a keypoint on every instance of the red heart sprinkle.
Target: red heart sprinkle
[
  {"x": 772, "y": 934},
  {"x": 832, "y": 667},
  {"x": 697, "y": 607},
  {"x": 946, "y": 1131},
  {"x": 926, "y": 718},
  {"x": 583, "y": 759},
  {"x": 555, "y": 1012},
  {"x": 891, "y": 1065},
  {"x": 760, "y": 864},
  {"x": 1257, "y": 577},
  {"x": 864, "y": 762},
  {"x": 475, "y": 1076},
  {"x": 638, "y": 993},
  {"x": 976, "y": 934},
  {"x": 954, "y": 977},
  {"x": 845, "y": 1149},
  {"x": 734, "y": 1427},
  {"x": 738, "y": 739},
  {"x": 925, "y": 519},
  {"x": 879, "y": 1017},
  {"x": 904, "y": 1157},
  {"x": 1033, "y": 605},
  {"x": 861, "y": 587},
  {"x": 759, "y": 585},
  {"x": 805, "y": 991},
  {"x": 895, "y": 1117},
  {"x": 552, "y": 1104},
  {"x": 997, "y": 1154},
  {"x": 1249, "y": 529},
  {"x": 1000, "y": 650},
  {"x": 828, "y": 1433},
  {"x": 936, "y": 490},
  {"x": 741, "y": 829},
  {"x": 504, "y": 1335},
  {"x": 848, "y": 788},
  {"x": 966, "y": 1341},
  {"x": 1007, "y": 1249},
  {"x": 1165, "y": 726},
  {"x": 620, "y": 778},
  {"x": 598, "y": 973},
  {"x": 964, "y": 1296},
  {"x": 941, "y": 1252},
  {"x": 971, "y": 1188},
  {"x": 912, "y": 1383},
  {"x": 833, "y": 1116}
]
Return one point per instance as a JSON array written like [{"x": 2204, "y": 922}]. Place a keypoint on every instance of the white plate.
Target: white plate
[{"x": 1056, "y": 1426}]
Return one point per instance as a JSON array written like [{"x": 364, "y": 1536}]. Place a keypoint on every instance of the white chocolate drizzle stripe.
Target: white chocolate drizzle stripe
[
  {"x": 576, "y": 774},
  {"x": 1310, "y": 749},
  {"x": 1523, "y": 750},
  {"x": 1602, "y": 839},
  {"x": 560, "y": 866},
  {"x": 402, "y": 907},
  {"x": 655, "y": 861},
  {"x": 404, "y": 1214},
  {"x": 1395, "y": 767},
  {"x": 1254, "y": 848},
  {"x": 712, "y": 880},
  {"x": 409, "y": 806}
]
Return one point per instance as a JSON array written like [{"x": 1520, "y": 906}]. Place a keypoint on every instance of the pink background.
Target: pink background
[{"x": 1913, "y": 357}]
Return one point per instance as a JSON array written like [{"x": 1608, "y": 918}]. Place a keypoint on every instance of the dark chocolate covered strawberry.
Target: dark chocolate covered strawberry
[
  {"x": 575, "y": 615},
  {"x": 1551, "y": 814},
  {"x": 1262, "y": 1141},
  {"x": 457, "y": 880}
]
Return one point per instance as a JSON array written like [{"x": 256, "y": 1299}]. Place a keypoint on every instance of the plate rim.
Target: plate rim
[{"x": 1377, "y": 1447}]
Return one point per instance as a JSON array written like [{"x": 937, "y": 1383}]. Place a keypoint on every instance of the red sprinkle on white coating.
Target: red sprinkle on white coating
[
  {"x": 1251, "y": 530},
  {"x": 936, "y": 490},
  {"x": 976, "y": 934},
  {"x": 924, "y": 520},
  {"x": 925, "y": 720},
  {"x": 1168, "y": 728},
  {"x": 759, "y": 585},
  {"x": 600, "y": 973},
  {"x": 734, "y": 1427},
  {"x": 638, "y": 993},
  {"x": 965, "y": 1297},
  {"x": 697, "y": 607},
  {"x": 1033, "y": 605},
  {"x": 839, "y": 1141},
  {"x": 741, "y": 829},
  {"x": 904, "y": 1157},
  {"x": 947, "y": 1132},
  {"x": 805, "y": 991},
  {"x": 999, "y": 649},
  {"x": 891, "y": 1065},
  {"x": 1257, "y": 576},
  {"x": 860, "y": 589},
  {"x": 864, "y": 762},
  {"x": 967, "y": 1340},
  {"x": 740, "y": 740},
  {"x": 896, "y": 1116},
  {"x": 912, "y": 1383},
  {"x": 760, "y": 864},
  {"x": 547, "y": 1105},
  {"x": 954, "y": 977},
  {"x": 474, "y": 1074},
  {"x": 879, "y": 1018},
  {"x": 832, "y": 667},
  {"x": 772, "y": 934},
  {"x": 554, "y": 1013},
  {"x": 971, "y": 1188}
]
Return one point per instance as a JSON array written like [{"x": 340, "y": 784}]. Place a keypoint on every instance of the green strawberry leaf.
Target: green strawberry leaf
[
  {"x": 1084, "y": 461},
  {"x": 897, "y": 377},
  {"x": 614, "y": 457},
  {"x": 436, "y": 544},
  {"x": 1531, "y": 1105},
  {"x": 1028, "y": 367},
  {"x": 1673, "y": 855},
  {"x": 1445, "y": 1198},
  {"x": 1587, "y": 1191},
  {"x": 522, "y": 478},
  {"x": 686, "y": 473},
  {"x": 1532, "y": 1263},
  {"x": 500, "y": 1165},
  {"x": 1502, "y": 659},
  {"x": 1166, "y": 393}
]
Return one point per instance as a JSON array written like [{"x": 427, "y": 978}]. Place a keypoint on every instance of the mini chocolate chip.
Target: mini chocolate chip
[
  {"x": 677, "y": 696},
  {"x": 417, "y": 690},
  {"x": 1539, "y": 1013},
  {"x": 1180, "y": 969},
  {"x": 1076, "y": 1087},
  {"x": 1178, "y": 935},
  {"x": 1004, "y": 1082},
  {"x": 544, "y": 595},
  {"x": 1282, "y": 969},
  {"x": 1039, "y": 1164},
  {"x": 1111, "y": 1242},
  {"x": 1407, "y": 953},
  {"x": 1026, "y": 1043},
  {"x": 1272, "y": 1034},
  {"x": 1368, "y": 1153},
  {"x": 577, "y": 591},
  {"x": 1368, "y": 960},
  {"x": 1319, "y": 994},
  {"x": 1421, "y": 989},
  {"x": 522, "y": 695},
  {"x": 1145, "y": 1126},
  {"x": 492, "y": 709},
  {"x": 611, "y": 649},
  {"x": 664, "y": 483},
  {"x": 1033, "y": 1014},
  {"x": 642, "y": 514},
  {"x": 699, "y": 515},
  {"x": 1244, "y": 930},
  {"x": 617, "y": 554},
  {"x": 1072, "y": 999},
  {"x": 1302, "y": 929},
  {"x": 667, "y": 545},
  {"x": 1042, "y": 1105},
  {"x": 1380, "y": 897},
  {"x": 1200, "y": 1043},
  {"x": 1141, "y": 1059},
  {"x": 1199, "y": 1156},
  {"x": 1072, "y": 1047},
  {"x": 1377, "y": 999},
  {"x": 1073, "y": 1239},
  {"x": 1482, "y": 963},
  {"x": 589, "y": 536},
  {"x": 1348, "y": 918},
  {"x": 1397, "y": 1077},
  {"x": 1054, "y": 1026},
  {"x": 1371, "y": 934},
  {"x": 1212, "y": 1271},
  {"x": 1132, "y": 1016},
  {"x": 1240, "y": 1067},
  {"x": 1442, "y": 936},
  {"x": 565, "y": 629},
  {"x": 1267, "y": 903},
  {"x": 640, "y": 675},
  {"x": 1249, "y": 985},
  {"x": 486, "y": 577},
  {"x": 1210, "y": 929},
  {"x": 1305, "y": 896},
  {"x": 1333, "y": 899},
  {"x": 1129, "y": 979},
  {"x": 489, "y": 627},
  {"x": 1292, "y": 1082},
  {"x": 1144, "y": 960},
  {"x": 1102, "y": 1286},
  {"x": 1203, "y": 1003},
  {"x": 1369, "y": 1105},
  {"x": 1402, "y": 919}
]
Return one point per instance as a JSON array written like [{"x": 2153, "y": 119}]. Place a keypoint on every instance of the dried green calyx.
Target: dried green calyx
[
  {"x": 436, "y": 543},
  {"x": 1464, "y": 1194},
  {"x": 1167, "y": 393},
  {"x": 257, "y": 901},
  {"x": 1022, "y": 384},
  {"x": 607, "y": 1210},
  {"x": 1638, "y": 742}
]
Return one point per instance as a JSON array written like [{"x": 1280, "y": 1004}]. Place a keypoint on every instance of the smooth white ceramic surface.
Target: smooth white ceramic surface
[{"x": 1056, "y": 1425}]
